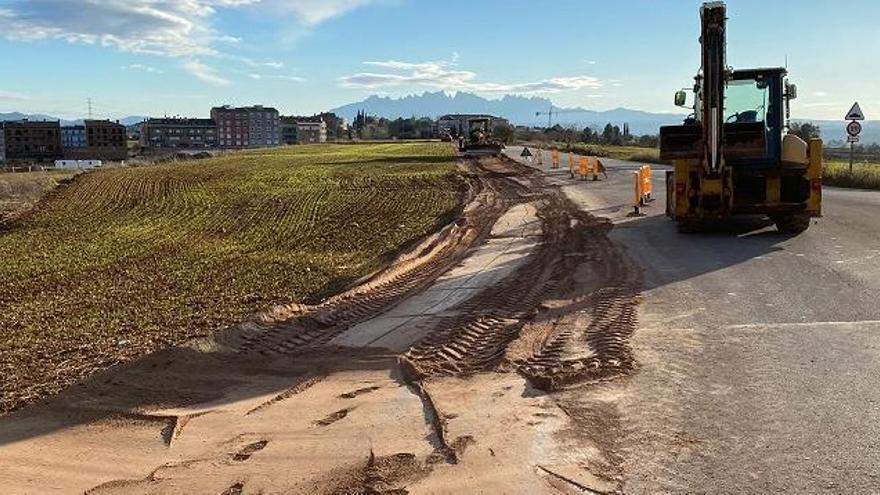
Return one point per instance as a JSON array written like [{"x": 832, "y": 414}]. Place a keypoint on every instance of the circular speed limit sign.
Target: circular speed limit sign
[{"x": 854, "y": 128}]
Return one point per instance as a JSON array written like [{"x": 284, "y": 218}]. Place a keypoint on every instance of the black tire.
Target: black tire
[
  {"x": 792, "y": 224},
  {"x": 670, "y": 195}
]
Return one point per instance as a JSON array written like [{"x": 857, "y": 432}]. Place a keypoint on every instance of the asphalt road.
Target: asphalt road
[{"x": 759, "y": 353}]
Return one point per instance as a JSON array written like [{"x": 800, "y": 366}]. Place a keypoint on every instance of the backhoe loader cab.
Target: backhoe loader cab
[{"x": 732, "y": 154}]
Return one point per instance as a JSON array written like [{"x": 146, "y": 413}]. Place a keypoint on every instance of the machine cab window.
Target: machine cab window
[{"x": 746, "y": 102}]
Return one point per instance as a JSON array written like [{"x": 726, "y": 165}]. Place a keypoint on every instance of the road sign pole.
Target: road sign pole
[{"x": 852, "y": 152}]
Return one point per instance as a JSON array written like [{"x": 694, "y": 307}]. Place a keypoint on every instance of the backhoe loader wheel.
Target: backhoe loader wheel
[{"x": 791, "y": 224}]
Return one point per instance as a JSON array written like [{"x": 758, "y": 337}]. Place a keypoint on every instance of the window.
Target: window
[{"x": 746, "y": 101}]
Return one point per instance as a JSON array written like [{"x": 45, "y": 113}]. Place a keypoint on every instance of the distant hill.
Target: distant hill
[
  {"x": 126, "y": 121},
  {"x": 30, "y": 116},
  {"x": 518, "y": 110},
  {"x": 834, "y": 131}
]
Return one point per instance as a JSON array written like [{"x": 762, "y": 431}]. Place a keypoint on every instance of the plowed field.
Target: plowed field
[{"x": 121, "y": 262}]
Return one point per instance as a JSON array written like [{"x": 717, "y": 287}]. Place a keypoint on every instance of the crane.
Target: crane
[{"x": 557, "y": 111}]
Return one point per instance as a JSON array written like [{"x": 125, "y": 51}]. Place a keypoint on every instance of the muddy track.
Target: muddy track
[
  {"x": 577, "y": 264},
  {"x": 297, "y": 329}
]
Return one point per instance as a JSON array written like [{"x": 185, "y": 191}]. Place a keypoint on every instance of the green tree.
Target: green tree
[
  {"x": 805, "y": 130},
  {"x": 504, "y": 133}
]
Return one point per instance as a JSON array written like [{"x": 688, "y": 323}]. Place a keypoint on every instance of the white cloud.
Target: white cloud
[
  {"x": 820, "y": 104},
  {"x": 157, "y": 27},
  {"x": 820, "y": 94},
  {"x": 590, "y": 62},
  {"x": 12, "y": 96},
  {"x": 204, "y": 73},
  {"x": 258, "y": 77},
  {"x": 443, "y": 75},
  {"x": 142, "y": 67},
  {"x": 314, "y": 12},
  {"x": 173, "y": 28}
]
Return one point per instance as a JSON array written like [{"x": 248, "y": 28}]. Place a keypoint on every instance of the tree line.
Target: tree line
[{"x": 369, "y": 127}]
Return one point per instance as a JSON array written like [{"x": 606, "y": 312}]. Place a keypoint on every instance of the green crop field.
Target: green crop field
[{"x": 123, "y": 261}]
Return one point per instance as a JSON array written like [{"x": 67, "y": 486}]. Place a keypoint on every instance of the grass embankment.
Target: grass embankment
[
  {"x": 866, "y": 175},
  {"x": 20, "y": 190},
  {"x": 124, "y": 261},
  {"x": 628, "y": 153}
]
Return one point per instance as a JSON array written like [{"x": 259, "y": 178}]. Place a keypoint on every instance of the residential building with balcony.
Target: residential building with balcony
[
  {"x": 33, "y": 140},
  {"x": 311, "y": 132},
  {"x": 73, "y": 136},
  {"x": 247, "y": 127},
  {"x": 178, "y": 133}
]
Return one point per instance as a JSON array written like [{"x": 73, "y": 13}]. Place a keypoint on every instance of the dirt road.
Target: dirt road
[{"x": 456, "y": 370}]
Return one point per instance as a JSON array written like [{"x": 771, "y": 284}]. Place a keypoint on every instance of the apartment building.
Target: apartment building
[
  {"x": 33, "y": 140},
  {"x": 311, "y": 132},
  {"x": 178, "y": 133},
  {"x": 247, "y": 127},
  {"x": 288, "y": 130},
  {"x": 73, "y": 136},
  {"x": 95, "y": 140}
]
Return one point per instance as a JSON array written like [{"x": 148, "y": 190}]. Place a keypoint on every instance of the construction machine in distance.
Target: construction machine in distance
[
  {"x": 479, "y": 141},
  {"x": 733, "y": 154}
]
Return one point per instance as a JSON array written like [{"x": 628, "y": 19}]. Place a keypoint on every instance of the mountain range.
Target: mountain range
[{"x": 519, "y": 110}]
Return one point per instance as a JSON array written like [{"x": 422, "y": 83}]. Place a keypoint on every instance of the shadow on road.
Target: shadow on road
[{"x": 670, "y": 256}]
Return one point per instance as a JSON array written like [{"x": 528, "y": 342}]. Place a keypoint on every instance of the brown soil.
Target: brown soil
[{"x": 268, "y": 406}]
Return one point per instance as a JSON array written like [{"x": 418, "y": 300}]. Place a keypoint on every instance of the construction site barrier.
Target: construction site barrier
[
  {"x": 555, "y": 154},
  {"x": 647, "y": 185},
  {"x": 571, "y": 164},
  {"x": 597, "y": 168},
  {"x": 539, "y": 154},
  {"x": 584, "y": 167},
  {"x": 637, "y": 196},
  {"x": 643, "y": 188}
]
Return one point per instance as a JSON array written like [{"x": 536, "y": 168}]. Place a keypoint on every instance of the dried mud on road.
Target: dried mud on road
[{"x": 472, "y": 396}]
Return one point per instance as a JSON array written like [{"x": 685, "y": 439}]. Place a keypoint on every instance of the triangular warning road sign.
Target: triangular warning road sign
[
  {"x": 525, "y": 152},
  {"x": 855, "y": 113}
]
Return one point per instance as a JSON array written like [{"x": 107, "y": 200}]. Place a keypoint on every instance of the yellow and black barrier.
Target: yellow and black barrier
[
  {"x": 647, "y": 185},
  {"x": 643, "y": 189},
  {"x": 584, "y": 166},
  {"x": 638, "y": 182}
]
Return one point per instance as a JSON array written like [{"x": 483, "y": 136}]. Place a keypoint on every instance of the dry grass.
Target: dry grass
[
  {"x": 20, "y": 190},
  {"x": 629, "y": 153},
  {"x": 866, "y": 175}
]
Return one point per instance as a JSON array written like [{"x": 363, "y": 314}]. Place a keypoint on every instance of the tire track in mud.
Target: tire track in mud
[
  {"x": 296, "y": 329},
  {"x": 575, "y": 247}
]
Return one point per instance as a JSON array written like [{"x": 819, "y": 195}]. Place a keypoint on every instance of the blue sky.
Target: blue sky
[{"x": 155, "y": 57}]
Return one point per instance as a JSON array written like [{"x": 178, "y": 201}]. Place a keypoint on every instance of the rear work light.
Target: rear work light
[
  {"x": 680, "y": 188},
  {"x": 816, "y": 185}
]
